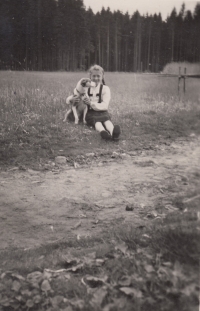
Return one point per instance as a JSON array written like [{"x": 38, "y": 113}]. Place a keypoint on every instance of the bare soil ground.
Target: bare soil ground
[{"x": 42, "y": 207}]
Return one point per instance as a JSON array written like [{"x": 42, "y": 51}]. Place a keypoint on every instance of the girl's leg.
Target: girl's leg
[
  {"x": 109, "y": 126},
  {"x": 101, "y": 129},
  {"x": 113, "y": 130}
]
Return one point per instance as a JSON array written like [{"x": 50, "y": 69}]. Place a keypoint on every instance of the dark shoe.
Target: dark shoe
[
  {"x": 105, "y": 135},
  {"x": 116, "y": 132}
]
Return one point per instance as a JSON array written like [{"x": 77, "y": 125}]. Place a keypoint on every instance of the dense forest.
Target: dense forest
[{"x": 55, "y": 35}]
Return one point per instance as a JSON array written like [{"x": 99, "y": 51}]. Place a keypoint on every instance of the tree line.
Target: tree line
[{"x": 51, "y": 35}]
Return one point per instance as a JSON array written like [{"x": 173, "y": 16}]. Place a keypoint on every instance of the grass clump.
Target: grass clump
[
  {"x": 177, "y": 243},
  {"x": 145, "y": 106},
  {"x": 180, "y": 242}
]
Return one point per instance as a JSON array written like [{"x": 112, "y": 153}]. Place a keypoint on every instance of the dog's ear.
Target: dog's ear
[{"x": 84, "y": 82}]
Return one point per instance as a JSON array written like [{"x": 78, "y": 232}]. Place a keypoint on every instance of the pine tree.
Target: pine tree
[{"x": 195, "y": 30}]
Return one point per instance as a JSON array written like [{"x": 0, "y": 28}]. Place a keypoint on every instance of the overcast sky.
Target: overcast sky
[{"x": 143, "y": 6}]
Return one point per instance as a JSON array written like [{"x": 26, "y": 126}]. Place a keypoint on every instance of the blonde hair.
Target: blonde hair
[{"x": 97, "y": 68}]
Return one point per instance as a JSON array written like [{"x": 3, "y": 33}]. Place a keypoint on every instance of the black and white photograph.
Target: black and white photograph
[{"x": 99, "y": 155}]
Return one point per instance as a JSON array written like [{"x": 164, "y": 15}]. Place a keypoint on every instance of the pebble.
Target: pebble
[
  {"x": 125, "y": 155},
  {"x": 114, "y": 155},
  {"x": 60, "y": 160},
  {"x": 132, "y": 153},
  {"x": 129, "y": 208},
  {"x": 92, "y": 154}
]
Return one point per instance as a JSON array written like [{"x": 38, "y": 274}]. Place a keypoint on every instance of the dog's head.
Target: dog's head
[{"x": 86, "y": 82}]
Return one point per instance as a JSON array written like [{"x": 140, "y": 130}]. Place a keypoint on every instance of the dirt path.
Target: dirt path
[{"x": 40, "y": 207}]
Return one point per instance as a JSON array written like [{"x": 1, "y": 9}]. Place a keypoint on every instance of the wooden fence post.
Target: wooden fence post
[
  {"x": 184, "y": 85},
  {"x": 179, "y": 78}
]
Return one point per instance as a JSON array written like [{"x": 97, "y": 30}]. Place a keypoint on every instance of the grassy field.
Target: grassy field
[
  {"x": 152, "y": 267},
  {"x": 146, "y": 107}
]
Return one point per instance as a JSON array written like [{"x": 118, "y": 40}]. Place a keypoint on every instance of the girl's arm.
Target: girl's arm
[{"x": 106, "y": 96}]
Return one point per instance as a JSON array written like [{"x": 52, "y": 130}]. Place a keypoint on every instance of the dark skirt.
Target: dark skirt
[{"x": 97, "y": 116}]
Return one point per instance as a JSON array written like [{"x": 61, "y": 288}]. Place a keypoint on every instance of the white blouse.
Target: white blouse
[{"x": 105, "y": 97}]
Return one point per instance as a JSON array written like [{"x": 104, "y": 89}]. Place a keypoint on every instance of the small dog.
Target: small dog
[{"x": 80, "y": 91}]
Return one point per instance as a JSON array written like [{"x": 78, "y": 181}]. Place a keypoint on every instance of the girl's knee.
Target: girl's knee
[
  {"x": 99, "y": 126},
  {"x": 109, "y": 126}
]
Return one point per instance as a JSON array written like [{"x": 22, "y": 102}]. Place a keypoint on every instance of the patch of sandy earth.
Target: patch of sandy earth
[{"x": 40, "y": 207}]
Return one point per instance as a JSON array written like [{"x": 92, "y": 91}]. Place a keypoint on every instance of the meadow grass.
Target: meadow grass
[{"x": 147, "y": 108}]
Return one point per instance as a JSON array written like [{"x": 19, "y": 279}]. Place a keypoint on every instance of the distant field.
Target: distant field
[{"x": 147, "y": 108}]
